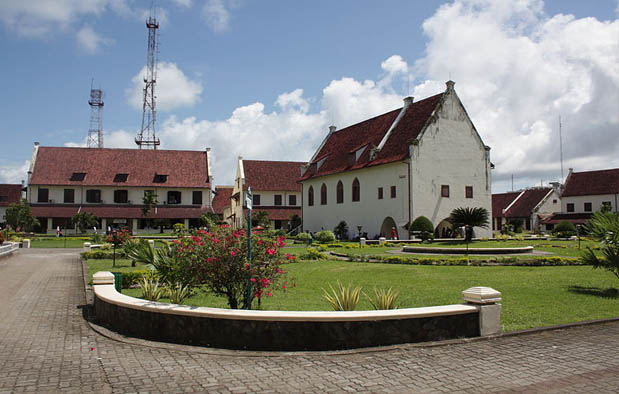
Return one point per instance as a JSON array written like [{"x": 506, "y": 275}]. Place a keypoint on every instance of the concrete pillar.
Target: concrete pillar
[
  {"x": 487, "y": 299},
  {"x": 87, "y": 247},
  {"x": 26, "y": 244},
  {"x": 50, "y": 229},
  {"x": 103, "y": 278},
  {"x": 186, "y": 224},
  {"x": 382, "y": 240},
  {"x": 134, "y": 226},
  {"x": 104, "y": 225},
  {"x": 362, "y": 241}
]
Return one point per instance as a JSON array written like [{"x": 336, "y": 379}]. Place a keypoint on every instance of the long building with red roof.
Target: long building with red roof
[
  {"x": 112, "y": 183},
  {"x": 274, "y": 190},
  {"x": 529, "y": 207},
  {"x": 424, "y": 159},
  {"x": 9, "y": 194}
]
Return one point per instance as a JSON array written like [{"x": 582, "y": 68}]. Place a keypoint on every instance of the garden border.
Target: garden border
[{"x": 293, "y": 330}]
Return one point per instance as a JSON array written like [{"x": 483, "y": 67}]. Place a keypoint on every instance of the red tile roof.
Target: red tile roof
[
  {"x": 55, "y": 166},
  {"x": 9, "y": 194},
  {"x": 501, "y": 201},
  {"x": 523, "y": 207},
  {"x": 343, "y": 143},
  {"x": 116, "y": 212},
  {"x": 278, "y": 213},
  {"x": 592, "y": 183},
  {"x": 576, "y": 218},
  {"x": 221, "y": 199},
  {"x": 264, "y": 175}
]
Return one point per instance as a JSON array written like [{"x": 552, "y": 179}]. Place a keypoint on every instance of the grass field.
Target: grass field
[{"x": 532, "y": 296}]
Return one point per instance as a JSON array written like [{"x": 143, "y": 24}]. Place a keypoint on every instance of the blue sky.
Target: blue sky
[{"x": 265, "y": 79}]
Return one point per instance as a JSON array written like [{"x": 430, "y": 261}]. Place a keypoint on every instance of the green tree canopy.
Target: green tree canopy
[
  {"x": 469, "y": 218},
  {"x": 423, "y": 227},
  {"x": 84, "y": 220},
  {"x": 19, "y": 216},
  {"x": 604, "y": 226}
]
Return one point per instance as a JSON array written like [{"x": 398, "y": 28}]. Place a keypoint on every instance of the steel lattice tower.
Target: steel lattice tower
[
  {"x": 95, "y": 131},
  {"x": 146, "y": 137}
]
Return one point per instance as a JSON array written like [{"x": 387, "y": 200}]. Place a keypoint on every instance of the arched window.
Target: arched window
[
  {"x": 356, "y": 190},
  {"x": 310, "y": 196},
  {"x": 340, "y": 192},
  {"x": 323, "y": 194}
]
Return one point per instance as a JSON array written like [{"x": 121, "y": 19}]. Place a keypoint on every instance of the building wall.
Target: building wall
[
  {"x": 552, "y": 204},
  {"x": 595, "y": 200},
  {"x": 449, "y": 152},
  {"x": 3, "y": 215},
  {"x": 267, "y": 198},
  {"x": 135, "y": 194},
  {"x": 369, "y": 211}
]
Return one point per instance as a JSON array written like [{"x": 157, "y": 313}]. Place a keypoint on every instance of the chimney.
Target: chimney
[
  {"x": 408, "y": 101},
  {"x": 36, "y": 143},
  {"x": 332, "y": 129},
  {"x": 450, "y": 84}
]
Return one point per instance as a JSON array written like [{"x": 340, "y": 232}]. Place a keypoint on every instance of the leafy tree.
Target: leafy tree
[
  {"x": 19, "y": 216},
  {"x": 564, "y": 229},
  {"x": 209, "y": 219},
  {"x": 423, "y": 227},
  {"x": 149, "y": 201},
  {"x": 161, "y": 223},
  {"x": 325, "y": 236},
  {"x": 341, "y": 230},
  {"x": 605, "y": 227},
  {"x": 295, "y": 222},
  {"x": 260, "y": 218},
  {"x": 84, "y": 220},
  {"x": 469, "y": 218}
]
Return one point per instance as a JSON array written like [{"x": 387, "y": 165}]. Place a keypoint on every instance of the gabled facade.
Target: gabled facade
[
  {"x": 529, "y": 206},
  {"x": 274, "y": 188},
  {"x": 585, "y": 193},
  {"x": 9, "y": 194},
  {"x": 112, "y": 183},
  {"x": 424, "y": 159},
  {"x": 222, "y": 201}
]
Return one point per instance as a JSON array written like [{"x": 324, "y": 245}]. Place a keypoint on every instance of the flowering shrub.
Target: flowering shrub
[
  {"x": 121, "y": 237},
  {"x": 218, "y": 259}
]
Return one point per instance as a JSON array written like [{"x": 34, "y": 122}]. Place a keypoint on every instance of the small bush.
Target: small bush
[
  {"x": 102, "y": 254},
  {"x": 384, "y": 299},
  {"x": 304, "y": 237},
  {"x": 313, "y": 254},
  {"x": 341, "y": 230},
  {"x": 564, "y": 230},
  {"x": 132, "y": 278},
  {"x": 423, "y": 228},
  {"x": 150, "y": 289},
  {"x": 345, "y": 298},
  {"x": 178, "y": 292},
  {"x": 325, "y": 236}
]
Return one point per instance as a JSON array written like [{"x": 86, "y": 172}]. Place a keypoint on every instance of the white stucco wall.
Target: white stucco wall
[
  {"x": 267, "y": 198},
  {"x": 135, "y": 194},
  {"x": 450, "y": 152},
  {"x": 595, "y": 200},
  {"x": 369, "y": 212}
]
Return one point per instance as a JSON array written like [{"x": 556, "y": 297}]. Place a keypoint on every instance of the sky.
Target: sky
[{"x": 265, "y": 79}]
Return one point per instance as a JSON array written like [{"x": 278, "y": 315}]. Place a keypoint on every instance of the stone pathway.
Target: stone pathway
[{"x": 47, "y": 346}]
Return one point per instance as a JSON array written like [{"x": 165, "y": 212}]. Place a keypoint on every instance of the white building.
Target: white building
[
  {"x": 9, "y": 194},
  {"x": 425, "y": 159},
  {"x": 274, "y": 188},
  {"x": 112, "y": 183},
  {"x": 529, "y": 207}
]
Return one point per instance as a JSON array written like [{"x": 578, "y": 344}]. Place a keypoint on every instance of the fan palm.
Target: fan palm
[
  {"x": 605, "y": 227},
  {"x": 469, "y": 218}
]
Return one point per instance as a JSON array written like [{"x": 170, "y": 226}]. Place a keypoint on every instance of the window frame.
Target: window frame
[
  {"x": 588, "y": 205},
  {"x": 356, "y": 190},
  {"x": 393, "y": 192},
  {"x": 323, "y": 194},
  {"x": 173, "y": 193},
  {"x": 570, "y": 207},
  {"x": 96, "y": 193},
  {"x": 445, "y": 191},
  {"x": 118, "y": 193},
  {"x": 310, "y": 196},
  {"x": 468, "y": 191},
  {"x": 195, "y": 193},
  {"x": 292, "y": 200},
  {"x": 278, "y": 200},
  {"x": 339, "y": 193},
  {"x": 380, "y": 193},
  {"x": 255, "y": 199},
  {"x": 43, "y": 192}
]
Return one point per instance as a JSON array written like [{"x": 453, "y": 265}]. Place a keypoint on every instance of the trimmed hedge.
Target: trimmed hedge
[
  {"x": 102, "y": 254},
  {"x": 510, "y": 261}
]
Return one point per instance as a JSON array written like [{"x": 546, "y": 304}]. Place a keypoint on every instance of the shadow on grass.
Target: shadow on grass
[{"x": 611, "y": 292}]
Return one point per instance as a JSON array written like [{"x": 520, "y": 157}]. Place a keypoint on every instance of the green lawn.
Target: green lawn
[
  {"x": 60, "y": 242},
  {"x": 532, "y": 296}
]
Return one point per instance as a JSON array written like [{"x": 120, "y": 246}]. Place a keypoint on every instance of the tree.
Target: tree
[
  {"x": 161, "y": 223},
  {"x": 19, "y": 216},
  {"x": 260, "y": 218},
  {"x": 564, "y": 229},
  {"x": 469, "y": 218},
  {"x": 149, "y": 201},
  {"x": 295, "y": 223},
  {"x": 604, "y": 226},
  {"x": 341, "y": 230},
  {"x": 84, "y": 220},
  {"x": 423, "y": 227},
  {"x": 209, "y": 220}
]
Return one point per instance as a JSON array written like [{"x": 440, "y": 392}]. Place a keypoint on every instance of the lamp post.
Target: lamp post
[
  {"x": 578, "y": 228},
  {"x": 249, "y": 205},
  {"x": 115, "y": 241},
  {"x": 359, "y": 227}
]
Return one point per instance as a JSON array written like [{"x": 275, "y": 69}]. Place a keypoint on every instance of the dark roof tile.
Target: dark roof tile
[
  {"x": 592, "y": 183},
  {"x": 263, "y": 175}
]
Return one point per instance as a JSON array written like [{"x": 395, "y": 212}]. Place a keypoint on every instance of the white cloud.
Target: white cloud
[
  {"x": 184, "y": 3},
  {"x": 291, "y": 100},
  {"x": 90, "y": 41},
  {"x": 14, "y": 173},
  {"x": 217, "y": 13},
  {"x": 394, "y": 65},
  {"x": 517, "y": 70},
  {"x": 173, "y": 89}
]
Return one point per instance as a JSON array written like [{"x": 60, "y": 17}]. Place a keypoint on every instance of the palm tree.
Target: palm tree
[
  {"x": 605, "y": 227},
  {"x": 469, "y": 218}
]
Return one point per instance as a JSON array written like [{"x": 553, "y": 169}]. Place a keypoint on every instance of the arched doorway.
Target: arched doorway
[
  {"x": 387, "y": 228},
  {"x": 444, "y": 230}
]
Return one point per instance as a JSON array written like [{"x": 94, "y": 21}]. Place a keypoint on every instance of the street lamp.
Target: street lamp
[{"x": 359, "y": 227}]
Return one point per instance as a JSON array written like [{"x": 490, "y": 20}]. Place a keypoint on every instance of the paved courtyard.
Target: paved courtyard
[{"x": 47, "y": 346}]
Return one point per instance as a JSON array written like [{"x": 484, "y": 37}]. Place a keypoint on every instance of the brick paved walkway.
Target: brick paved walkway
[{"x": 46, "y": 346}]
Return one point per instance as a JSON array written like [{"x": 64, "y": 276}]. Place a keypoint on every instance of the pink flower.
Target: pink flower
[
  {"x": 233, "y": 253},
  {"x": 253, "y": 280},
  {"x": 210, "y": 260},
  {"x": 269, "y": 294},
  {"x": 283, "y": 286},
  {"x": 289, "y": 256},
  {"x": 270, "y": 252}
]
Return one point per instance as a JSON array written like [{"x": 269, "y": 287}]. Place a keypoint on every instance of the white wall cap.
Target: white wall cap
[
  {"x": 103, "y": 278},
  {"x": 481, "y": 295}
]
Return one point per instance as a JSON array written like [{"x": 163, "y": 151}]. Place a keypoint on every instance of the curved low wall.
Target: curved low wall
[
  {"x": 421, "y": 249},
  {"x": 8, "y": 248},
  {"x": 281, "y": 330}
]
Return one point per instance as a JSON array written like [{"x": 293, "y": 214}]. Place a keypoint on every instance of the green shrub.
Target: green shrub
[
  {"x": 564, "y": 230},
  {"x": 102, "y": 254},
  {"x": 423, "y": 228},
  {"x": 325, "y": 236},
  {"x": 341, "y": 230},
  {"x": 131, "y": 278},
  {"x": 178, "y": 292},
  {"x": 304, "y": 237},
  {"x": 345, "y": 298},
  {"x": 150, "y": 289},
  {"x": 384, "y": 299},
  {"x": 313, "y": 254}
]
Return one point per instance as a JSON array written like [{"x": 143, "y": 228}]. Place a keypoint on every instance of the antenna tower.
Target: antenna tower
[
  {"x": 561, "y": 148},
  {"x": 95, "y": 131},
  {"x": 146, "y": 137}
]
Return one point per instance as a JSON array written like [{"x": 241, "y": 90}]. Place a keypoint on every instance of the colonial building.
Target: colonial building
[
  {"x": 528, "y": 207},
  {"x": 9, "y": 194},
  {"x": 585, "y": 193},
  {"x": 222, "y": 201},
  {"x": 112, "y": 183},
  {"x": 274, "y": 188},
  {"x": 424, "y": 159}
]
